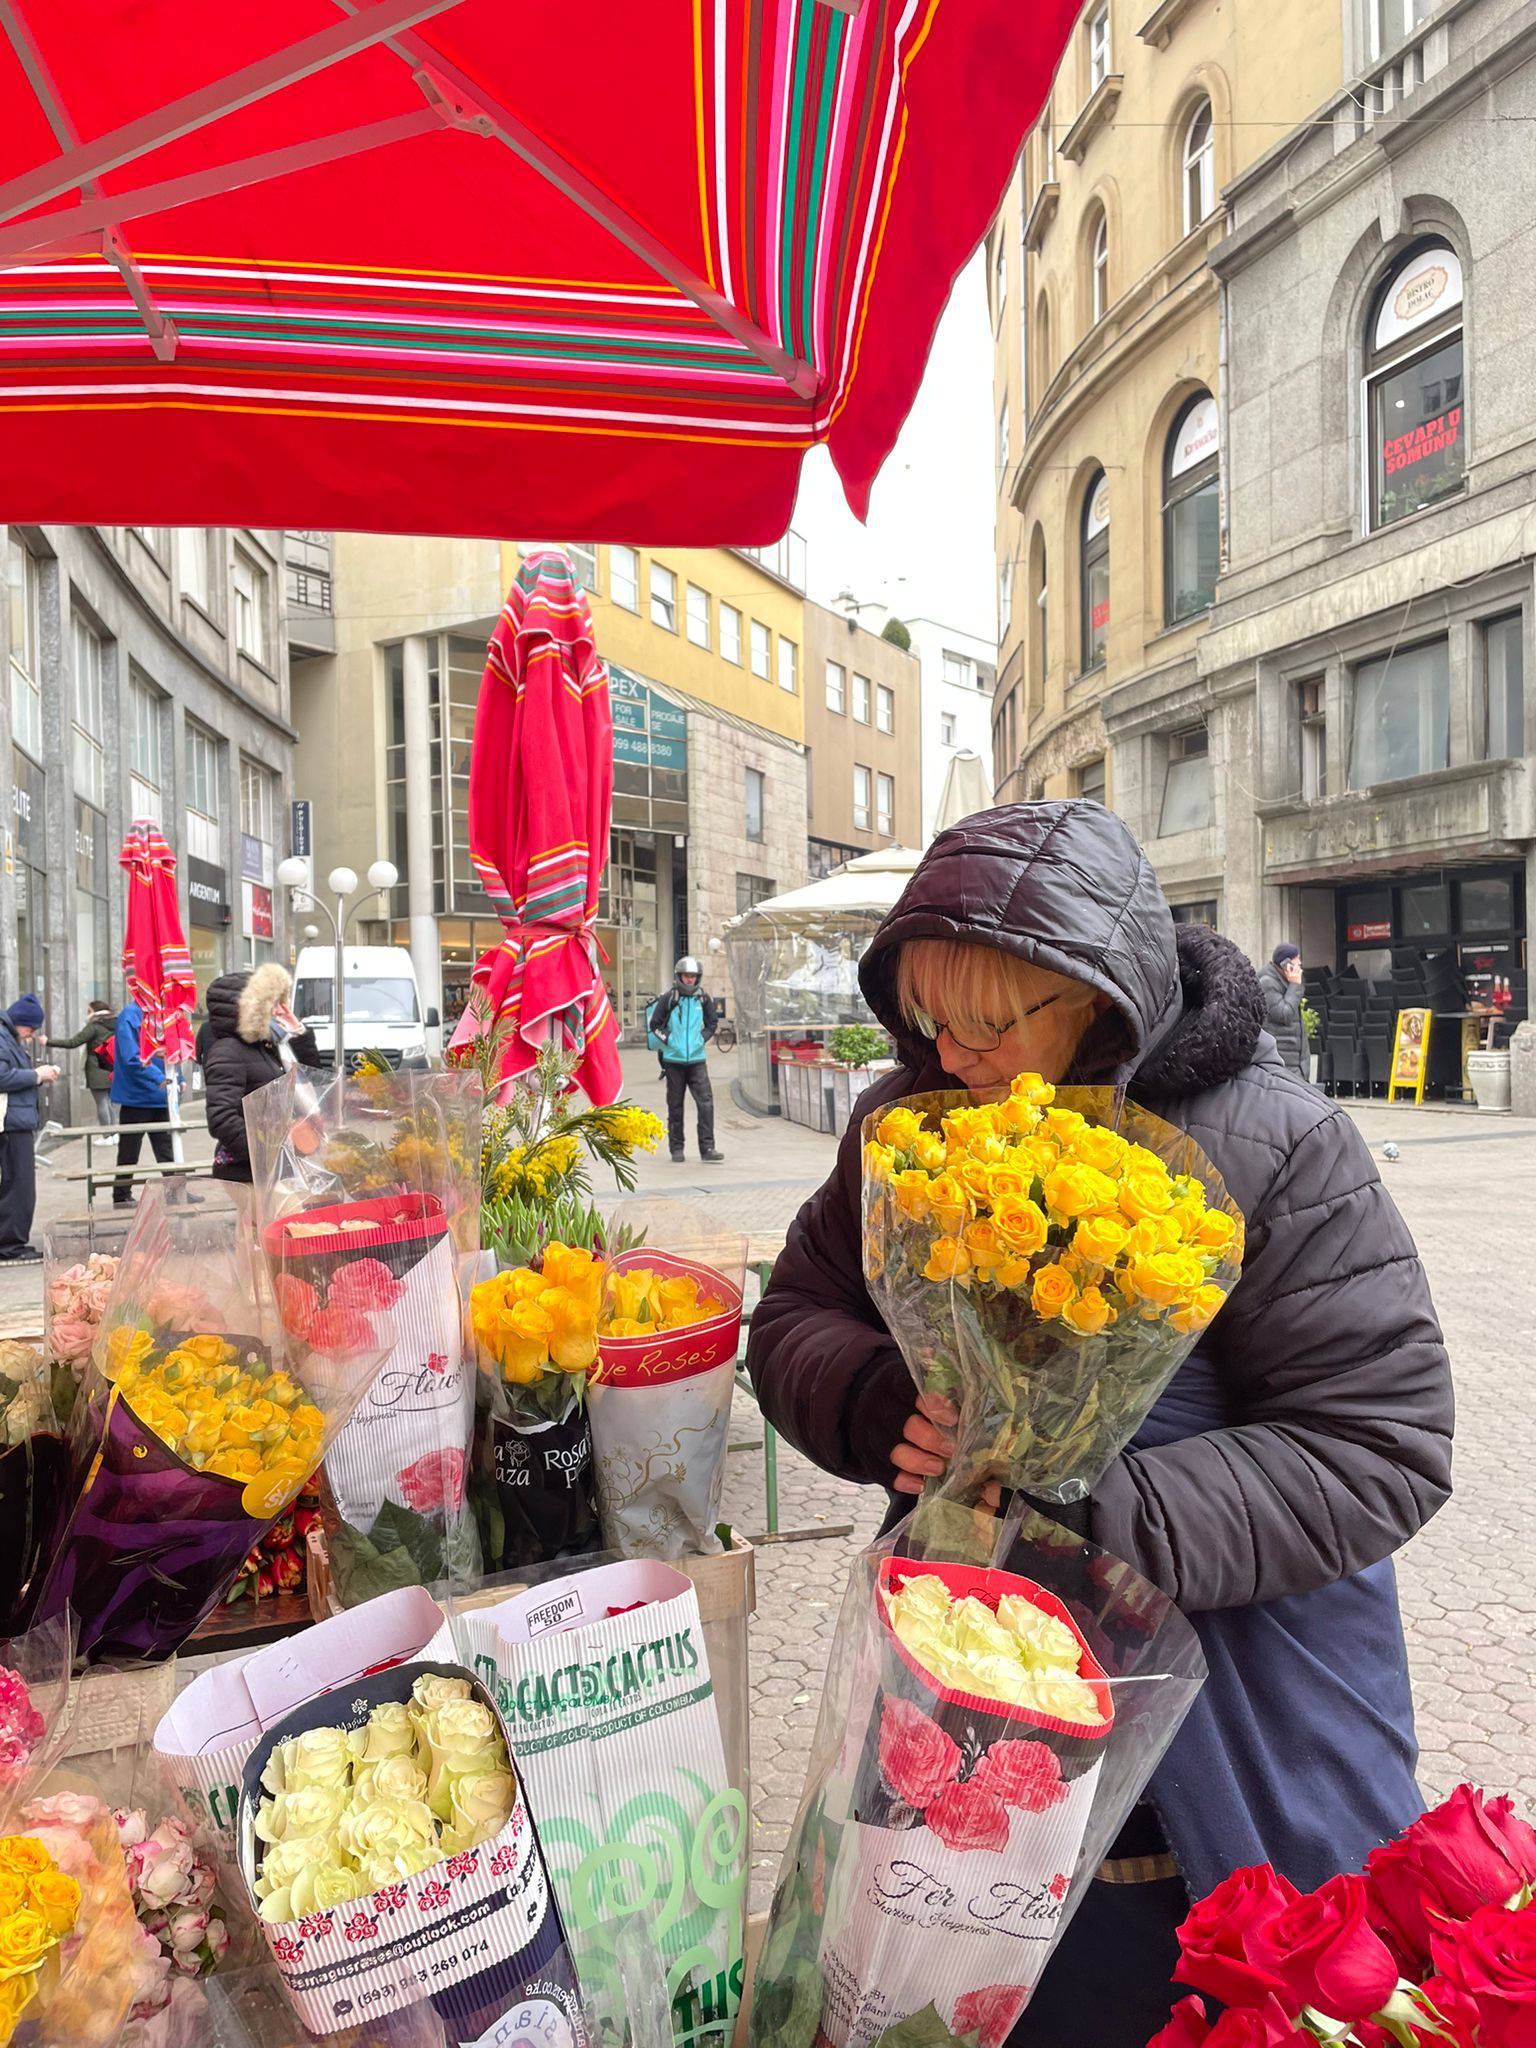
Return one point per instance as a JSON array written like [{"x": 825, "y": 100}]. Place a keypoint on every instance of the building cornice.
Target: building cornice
[
  {"x": 1097, "y": 110},
  {"x": 1160, "y": 24},
  {"x": 1041, "y": 214}
]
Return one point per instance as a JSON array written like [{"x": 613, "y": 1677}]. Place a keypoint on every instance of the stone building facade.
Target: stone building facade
[{"x": 863, "y": 707}]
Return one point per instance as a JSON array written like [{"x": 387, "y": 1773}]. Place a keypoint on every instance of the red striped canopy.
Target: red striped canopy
[
  {"x": 156, "y": 964},
  {"x": 540, "y": 804},
  {"x": 485, "y": 268}
]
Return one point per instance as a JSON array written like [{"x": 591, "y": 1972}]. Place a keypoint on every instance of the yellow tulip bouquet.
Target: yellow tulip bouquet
[
  {"x": 189, "y": 1442},
  {"x": 534, "y": 1328},
  {"x": 1046, "y": 1260}
]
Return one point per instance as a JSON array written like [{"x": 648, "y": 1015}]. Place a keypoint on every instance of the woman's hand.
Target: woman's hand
[{"x": 927, "y": 1443}]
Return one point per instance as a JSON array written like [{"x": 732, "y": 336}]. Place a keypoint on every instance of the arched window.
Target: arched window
[
  {"x": 1199, "y": 180},
  {"x": 1098, "y": 269},
  {"x": 1038, "y": 631},
  {"x": 1414, "y": 401},
  {"x": 1095, "y": 571},
  {"x": 1192, "y": 511}
]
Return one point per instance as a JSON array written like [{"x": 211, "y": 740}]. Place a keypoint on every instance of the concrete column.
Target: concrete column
[
  {"x": 420, "y": 809},
  {"x": 1465, "y": 728}
]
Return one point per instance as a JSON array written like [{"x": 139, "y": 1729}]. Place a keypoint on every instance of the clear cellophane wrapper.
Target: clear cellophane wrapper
[
  {"x": 368, "y": 1190},
  {"x": 200, "y": 1419},
  {"x": 944, "y": 1837}
]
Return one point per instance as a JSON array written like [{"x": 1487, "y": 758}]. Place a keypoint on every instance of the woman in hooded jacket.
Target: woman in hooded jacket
[
  {"x": 1305, "y": 1440},
  {"x": 249, "y": 1038}
]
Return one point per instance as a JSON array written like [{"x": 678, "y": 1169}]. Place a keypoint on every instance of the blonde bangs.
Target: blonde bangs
[{"x": 969, "y": 987}]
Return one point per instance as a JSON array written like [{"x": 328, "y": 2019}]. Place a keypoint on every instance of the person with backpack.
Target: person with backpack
[
  {"x": 679, "y": 1026},
  {"x": 98, "y": 1035}
]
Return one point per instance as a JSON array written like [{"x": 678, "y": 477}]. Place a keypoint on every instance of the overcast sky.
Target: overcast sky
[{"x": 927, "y": 551}]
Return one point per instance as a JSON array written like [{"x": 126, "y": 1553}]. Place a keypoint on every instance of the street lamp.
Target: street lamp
[{"x": 293, "y": 873}]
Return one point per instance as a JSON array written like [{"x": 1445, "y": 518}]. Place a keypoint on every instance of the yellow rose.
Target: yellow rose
[
  {"x": 899, "y": 1129},
  {"x": 1021, "y": 1224},
  {"x": 985, "y": 1247},
  {"x": 1053, "y": 1290},
  {"x": 1065, "y": 1125},
  {"x": 13, "y": 1892},
  {"x": 1012, "y": 1272},
  {"x": 572, "y": 1330},
  {"x": 57, "y": 1898},
  {"x": 1030, "y": 1088},
  {"x": 1099, "y": 1239},
  {"x": 1099, "y": 1148},
  {"x": 911, "y": 1192},
  {"x": 1073, "y": 1191},
  {"x": 1151, "y": 1234},
  {"x": 974, "y": 1175},
  {"x": 25, "y": 1938},
  {"x": 1198, "y": 1313},
  {"x": 929, "y": 1151},
  {"x": 949, "y": 1204},
  {"x": 1017, "y": 1117},
  {"x": 1167, "y": 1278},
  {"x": 1145, "y": 1193},
  {"x": 1088, "y": 1314},
  {"x": 630, "y": 1293},
  {"x": 948, "y": 1259},
  {"x": 1218, "y": 1232},
  {"x": 879, "y": 1162},
  {"x": 127, "y": 1348},
  {"x": 16, "y": 1994},
  {"x": 23, "y": 1856},
  {"x": 208, "y": 1350},
  {"x": 1008, "y": 1179}
]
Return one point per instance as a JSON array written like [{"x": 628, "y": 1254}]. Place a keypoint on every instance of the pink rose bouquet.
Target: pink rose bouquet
[{"x": 172, "y": 1886}]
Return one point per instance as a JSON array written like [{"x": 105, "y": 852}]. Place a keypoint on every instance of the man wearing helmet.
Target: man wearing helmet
[{"x": 680, "y": 1026}]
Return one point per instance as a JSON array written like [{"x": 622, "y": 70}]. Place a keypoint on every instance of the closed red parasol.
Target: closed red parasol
[{"x": 156, "y": 964}]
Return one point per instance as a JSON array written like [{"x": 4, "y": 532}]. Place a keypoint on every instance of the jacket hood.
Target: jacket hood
[
  {"x": 240, "y": 1005},
  {"x": 1066, "y": 886}
]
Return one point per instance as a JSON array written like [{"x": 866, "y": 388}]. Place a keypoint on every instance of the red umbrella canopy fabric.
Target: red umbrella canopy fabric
[
  {"x": 156, "y": 964},
  {"x": 466, "y": 267},
  {"x": 540, "y": 804}
]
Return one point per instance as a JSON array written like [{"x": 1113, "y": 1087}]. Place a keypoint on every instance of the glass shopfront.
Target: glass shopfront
[{"x": 1478, "y": 915}]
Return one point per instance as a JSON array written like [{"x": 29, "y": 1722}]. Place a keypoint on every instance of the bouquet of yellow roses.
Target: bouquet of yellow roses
[
  {"x": 1046, "y": 1260},
  {"x": 534, "y": 1328},
  {"x": 188, "y": 1442}
]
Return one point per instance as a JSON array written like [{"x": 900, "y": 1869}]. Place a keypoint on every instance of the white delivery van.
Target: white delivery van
[{"x": 383, "y": 1013}]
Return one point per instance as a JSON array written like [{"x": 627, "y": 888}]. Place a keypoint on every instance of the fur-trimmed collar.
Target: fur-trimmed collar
[
  {"x": 266, "y": 986},
  {"x": 1216, "y": 1032}
]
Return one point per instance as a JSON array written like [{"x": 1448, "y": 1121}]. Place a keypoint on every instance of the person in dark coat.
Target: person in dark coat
[
  {"x": 96, "y": 1035},
  {"x": 20, "y": 1080},
  {"x": 248, "y": 1031},
  {"x": 1304, "y": 1441},
  {"x": 1280, "y": 986}
]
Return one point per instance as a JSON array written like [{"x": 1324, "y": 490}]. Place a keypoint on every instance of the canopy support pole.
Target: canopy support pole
[{"x": 81, "y": 162}]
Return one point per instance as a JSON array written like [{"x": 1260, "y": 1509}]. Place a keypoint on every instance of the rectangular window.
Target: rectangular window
[
  {"x": 1098, "y": 47},
  {"x": 1091, "y": 779},
  {"x": 1002, "y": 444},
  {"x": 1000, "y": 282},
  {"x": 789, "y": 676},
  {"x": 885, "y": 803},
  {"x": 1004, "y": 600},
  {"x": 756, "y": 790},
  {"x": 752, "y": 890},
  {"x": 1312, "y": 719},
  {"x": 192, "y": 562},
  {"x": 203, "y": 839},
  {"x": 250, "y": 584},
  {"x": 1195, "y": 913},
  {"x": 861, "y": 799},
  {"x": 1402, "y": 715},
  {"x": 949, "y": 726},
  {"x": 837, "y": 686},
  {"x": 89, "y": 719},
  {"x": 144, "y": 754},
  {"x": 1188, "y": 804},
  {"x": 885, "y": 708},
  {"x": 624, "y": 578},
  {"x": 155, "y": 538},
  {"x": 730, "y": 634},
  {"x": 21, "y": 575},
  {"x": 959, "y": 669},
  {"x": 1396, "y": 20},
  {"x": 861, "y": 699},
  {"x": 698, "y": 615},
  {"x": 762, "y": 652},
  {"x": 1504, "y": 674},
  {"x": 1417, "y": 432},
  {"x": 663, "y": 598},
  {"x": 256, "y": 806},
  {"x": 583, "y": 556}
]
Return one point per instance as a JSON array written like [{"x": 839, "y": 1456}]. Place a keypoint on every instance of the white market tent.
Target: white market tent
[{"x": 794, "y": 960}]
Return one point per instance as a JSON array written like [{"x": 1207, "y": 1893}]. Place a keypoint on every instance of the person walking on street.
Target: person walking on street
[
  {"x": 19, "y": 1082},
  {"x": 680, "y": 1026},
  {"x": 250, "y": 1037},
  {"x": 139, "y": 1092},
  {"x": 98, "y": 1035},
  {"x": 1280, "y": 983}
]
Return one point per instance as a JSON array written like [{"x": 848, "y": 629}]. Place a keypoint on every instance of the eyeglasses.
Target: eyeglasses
[{"x": 929, "y": 1027}]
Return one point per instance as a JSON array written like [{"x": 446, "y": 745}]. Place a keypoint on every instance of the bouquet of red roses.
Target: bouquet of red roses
[{"x": 1434, "y": 1943}]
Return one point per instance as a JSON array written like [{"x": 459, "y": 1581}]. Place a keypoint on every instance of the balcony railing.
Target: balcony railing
[{"x": 1394, "y": 78}]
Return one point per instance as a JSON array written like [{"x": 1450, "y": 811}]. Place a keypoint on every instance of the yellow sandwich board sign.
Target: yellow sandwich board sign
[{"x": 1410, "y": 1054}]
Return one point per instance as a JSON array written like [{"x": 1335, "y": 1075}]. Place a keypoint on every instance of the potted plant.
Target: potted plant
[{"x": 859, "y": 1053}]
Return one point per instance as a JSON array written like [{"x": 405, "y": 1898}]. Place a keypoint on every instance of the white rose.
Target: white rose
[
  {"x": 396, "y": 1777},
  {"x": 320, "y": 1756},
  {"x": 389, "y": 1732},
  {"x": 480, "y": 1807},
  {"x": 311, "y": 1810}
]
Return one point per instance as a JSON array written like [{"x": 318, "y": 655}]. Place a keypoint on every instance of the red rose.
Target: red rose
[
  {"x": 917, "y": 1759},
  {"x": 1470, "y": 1852},
  {"x": 992, "y": 2013},
  {"x": 297, "y": 1303},
  {"x": 1491, "y": 1961},
  {"x": 1328, "y": 1954},
  {"x": 1216, "y": 1940},
  {"x": 964, "y": 1818},
  {"x": 1258, "y": 2026},
  {"x": 434, "y": 1483},
  {"x": 1189, "y": 2027},
  {"x": 1022, "y": 1774},
  {"x": 1456, "y": 2010}
]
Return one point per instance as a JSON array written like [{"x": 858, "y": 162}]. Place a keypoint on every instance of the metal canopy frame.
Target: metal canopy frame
[{"x": 94, "y": 224}]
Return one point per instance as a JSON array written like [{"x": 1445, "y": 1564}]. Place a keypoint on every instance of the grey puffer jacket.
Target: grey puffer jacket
[
  {"x": 1282, "y": 1015},
  {"x": 1306, "y": 1439}
]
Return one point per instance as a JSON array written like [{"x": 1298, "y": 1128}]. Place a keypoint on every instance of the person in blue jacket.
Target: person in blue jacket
[
  {"x": 19, "y": 1083},
  {"x": 679, "y": 1027},
  {"x": 139, "y": 1090}
]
